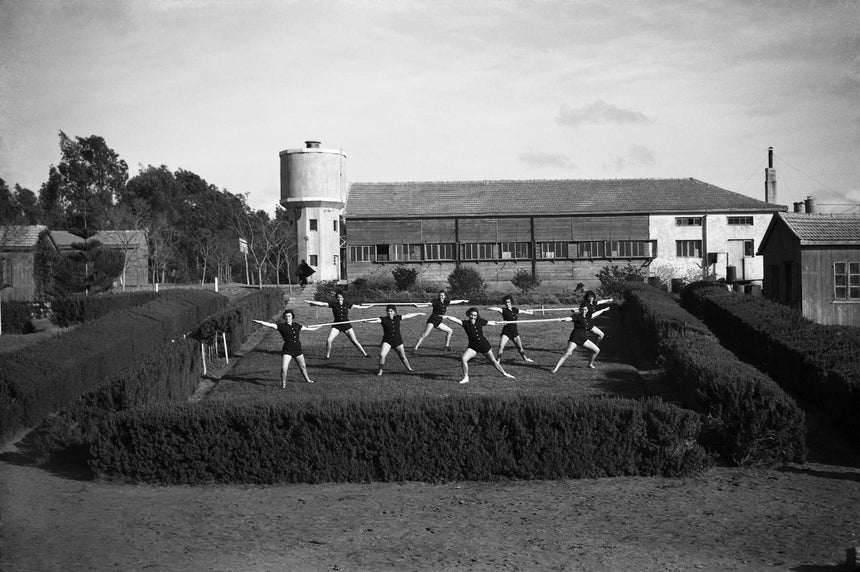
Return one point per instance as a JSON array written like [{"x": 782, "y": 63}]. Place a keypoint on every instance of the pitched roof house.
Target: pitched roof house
[{"x": 17, "y": 248}]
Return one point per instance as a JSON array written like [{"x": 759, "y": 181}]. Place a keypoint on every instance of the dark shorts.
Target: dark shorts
[
  {"x": 578, "y": 337},
  {"x": 510, "y": 330},
  {"x": 343, "y": 327},
  {"x": 294, "y": 351},
  {"x": 392, "y": 341},
  {"x": 480, "y": 347},
  {"x": 435, "y": 319}
]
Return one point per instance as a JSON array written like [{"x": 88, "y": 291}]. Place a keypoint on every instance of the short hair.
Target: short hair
[
  {"x": 591, "y": 294},
  {"x": 472, "y": 309},
  {"x": 339, "y": 293},
  {"x": 288, "y": 311},
  {"x": 391, "y": 307},
  {"x": 508, "y": 297}
]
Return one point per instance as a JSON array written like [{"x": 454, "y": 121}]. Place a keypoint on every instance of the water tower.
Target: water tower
[{"x": 314, "y": 192}]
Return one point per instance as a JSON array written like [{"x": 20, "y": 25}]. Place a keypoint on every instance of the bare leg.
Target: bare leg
[
  {"x": 464, "y": 363},
  {"x": 350, "y": 333},
  {"x": 401, "y": 353},
  {"x": 592, "y": 347},
  {"x": 519, "y": 345},
  {"x": 598, "y": 332},
  {"x": 383, "y": 353},
  {"x": 331, "y": 336},
  {"x": 427, "y": 330},
  {"x": 503, "y": 341},
  {"x": 449, "y": 332},
  {"x": 285, "y": 364},
  {"x": 303, "y": 367},
  {"x": 489, "y": 355},
  {"x": 570, "y": 347}
]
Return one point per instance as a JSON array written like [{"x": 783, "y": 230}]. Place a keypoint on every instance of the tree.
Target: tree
[
  {"x": 612, "y": 278},
  {"x": 525, "y": 280},
  {"x": 466, "y": 282},
  {"x": 93, "y": 176}
]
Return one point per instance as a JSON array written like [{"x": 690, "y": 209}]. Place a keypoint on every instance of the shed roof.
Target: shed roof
[
  {"x": 545, "y": 197},
  {"x": 20, "y": 236},
  {"x": 64, "y": 239},
  {"x": 819, "y": 229}
]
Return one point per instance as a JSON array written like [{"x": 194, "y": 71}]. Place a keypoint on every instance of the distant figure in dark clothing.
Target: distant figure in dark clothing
[{"x": 304, "y": 272}]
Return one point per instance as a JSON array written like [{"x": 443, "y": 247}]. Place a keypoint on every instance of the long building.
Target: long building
[{"x": 562, "y": 231}]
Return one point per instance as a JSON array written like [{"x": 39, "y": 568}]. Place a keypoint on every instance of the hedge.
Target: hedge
[
  {"x": 79, "y": 308},
  {"x": 749, "y": 419},
  {"x": 419, "y": 439},
  {"x": 16, "y": 318},
  {"x": 236, "y": 319},
  {"x": 169, "y": 374},
  {"x": 816, "y": 363},
  {"x": 44, "y": 377}
]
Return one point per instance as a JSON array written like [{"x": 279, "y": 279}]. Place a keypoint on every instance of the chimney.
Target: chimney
[
  {"x": 810, "y": 205},
  {"x": 312, "y": 144},
  {"x": 799, "y": 207},
  {"x": 770, "y": 179}
]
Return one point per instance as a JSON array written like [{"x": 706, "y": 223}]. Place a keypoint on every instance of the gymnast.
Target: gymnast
[
  {"x": 391, "y": 335},
  {"x": 478, "y": 344},
  {"x": 581, "y": 319},
  {"x": 509, "y": 331},
  {"x": 340, "y": 311},
  {"x": 592, "y": 302},
  {"x": 440, "y": 306},
  {"x": 292, "y": 348}
]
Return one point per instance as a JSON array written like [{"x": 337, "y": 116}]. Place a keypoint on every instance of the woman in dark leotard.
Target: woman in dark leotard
[
  {"x": 478, "y": 344},
  {"x": 340, "y": 312},
  {"x": 440, "y": 306},
  {"x": 292, "y": 348},
  {"x": 391, "y": 335},
  {"x": 509, "y": 331},
  {"x": 592, "y": 303},
  {"x": 581, "y": 319}
]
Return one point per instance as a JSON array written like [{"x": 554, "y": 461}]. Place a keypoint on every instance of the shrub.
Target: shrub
[
  {"x": 525, "y": 281},
  {"x": 79, "y": 308},
  {"x": 418, "y": 439},
  {"x": 17, "y": 318},
  {"x": 326, "y": 290},
  {"x": 466, "y": 282},
  {"x": 236, "y": 319},
  {"x": 613, "y": 278},
  {"x": 404, "y": 277}
]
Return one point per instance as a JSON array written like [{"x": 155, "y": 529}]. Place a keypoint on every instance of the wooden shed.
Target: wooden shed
[
  {"x": 812, "y": 263},
  {"x": 17, "y": 252}
]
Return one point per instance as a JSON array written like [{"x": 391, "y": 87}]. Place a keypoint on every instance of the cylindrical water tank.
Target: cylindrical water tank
[{"x": 312, "y": 176}]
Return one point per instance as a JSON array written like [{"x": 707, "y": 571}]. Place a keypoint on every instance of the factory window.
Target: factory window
[
  {"x": 381, "y": 253},
  {"x": 589, "y": 249},
  {"x": 631, "y": 249},
  {"x": 406, "y": 252},
  {"x": 439, "y": 251},
  {"x": 551, "y": 249},
  {"x": 314, "y": 261},
  {"x": 334, "y": 224},
  {"x": 5, "y": 271},
  {"x": 515, "y": 250},
  {"x": 846, "y": 280},
  {"x": 740, "y": 221},
  {"x": 748, "y": 248},
  {"x": 362, "y": 253},
  {"x": 313, "y": 223},
  {"x": 688, "y": 221},
  {"x": 478, "y": 251},
  {"x": 688, "y": 248}
]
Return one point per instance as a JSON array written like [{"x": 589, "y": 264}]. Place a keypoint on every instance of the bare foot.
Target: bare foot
[
  {"x": 379, "y": 372},
  {"x": 591, "y": 366},
  {"x": 464, "y": 380},
  {"x": 509, "y": 376},
  {"x": 310, "y": 381},
  {"x": 529, "y": 360}
]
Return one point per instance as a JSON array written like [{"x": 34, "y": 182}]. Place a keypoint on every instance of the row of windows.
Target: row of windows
[
  {"x": 504, "y": 250},
  {"x": 697, "y": 221}
]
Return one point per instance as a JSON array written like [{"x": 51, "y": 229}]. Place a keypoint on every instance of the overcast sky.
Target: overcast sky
[{"x": 439, "y": 90}]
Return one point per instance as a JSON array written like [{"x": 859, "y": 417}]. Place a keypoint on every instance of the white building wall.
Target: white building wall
[
  {"x": 715, "y": 234},
  {"x": 320, "y": 247}
]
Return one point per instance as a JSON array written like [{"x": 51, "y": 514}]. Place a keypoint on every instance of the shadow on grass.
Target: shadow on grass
[{"x": 72, "y": 465}]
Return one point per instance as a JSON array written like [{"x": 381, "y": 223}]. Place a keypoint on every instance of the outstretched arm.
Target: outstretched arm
[
  {"x": 495, "y": 309},
  {"x": 315, "y": 303},
  {"x": 412, "y": 315},
  {"x": 266, "y": 324},
  {"x": 421, "y": 304},
  {"x": 453, "y": 319},
  {"x": 598, "y": 312},
  {"x": 529, "y": 312},
  {"x": 605, "y": 301},
  {"x": 362, "y": 306},
  {"x": 458, "y": 301},
  {"x": 375, "y": 321}
]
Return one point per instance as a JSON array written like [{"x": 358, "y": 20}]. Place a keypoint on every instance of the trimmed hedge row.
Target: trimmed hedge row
[
  {"x": 44, "y": 377},
  {"x": 749, "y": 419},
  {"x": 817, "y": 363},
  {"x": 235, "y": 320},
  {"x": 80, "y": 308},
  {"x": 422, "y": 439},
  {"x": 16, "y": 318},
  {"x": 169, "y": 374}
]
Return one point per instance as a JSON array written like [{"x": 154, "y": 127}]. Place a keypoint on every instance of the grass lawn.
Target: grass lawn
[{"x": 621, "y": 369}]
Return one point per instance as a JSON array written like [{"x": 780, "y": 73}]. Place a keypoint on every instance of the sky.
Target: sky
[{"x": 436, "y": 90}]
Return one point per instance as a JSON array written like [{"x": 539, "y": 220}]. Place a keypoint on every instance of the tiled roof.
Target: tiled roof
[
  {"x": 122, "y": 238},
  {"x": 823, "y": 229},
  {"x": 64, "y": 239},
  {"x": 545, "y": 197},
  {"x": 20, "y": 236}
]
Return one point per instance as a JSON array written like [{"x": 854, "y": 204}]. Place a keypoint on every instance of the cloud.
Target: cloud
[
  {"x": 636, "y": 156},
  {"x": 539, "y": 159},
  {"x": 598, "y": 112}
]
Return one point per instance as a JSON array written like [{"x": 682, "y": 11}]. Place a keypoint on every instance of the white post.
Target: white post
[
  {"x": 224, "y": 337},
  {"x": 216, "y": 283},
  {"x": 156, "y": 287},
  {"x": 203, "y": 355}
]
